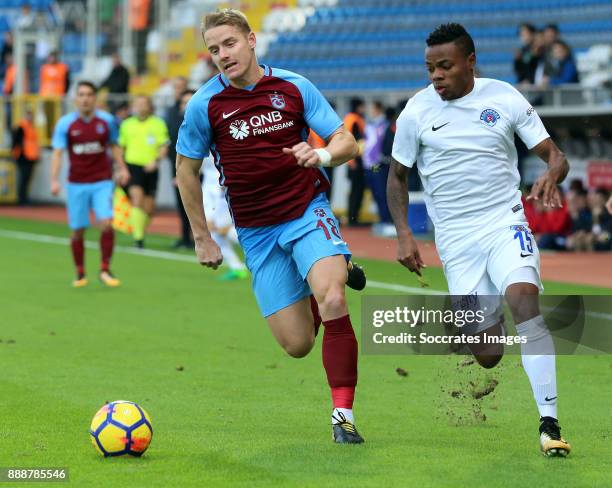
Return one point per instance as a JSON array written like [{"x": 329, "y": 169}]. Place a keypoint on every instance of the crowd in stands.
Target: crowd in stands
[
  {"x": 544, "y": 58},
  {"x": 583, "y": 223}
]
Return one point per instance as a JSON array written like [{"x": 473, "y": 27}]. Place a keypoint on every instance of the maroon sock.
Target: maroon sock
[
  {"x": 78, "y": 254},
  {"x": 340, "y": 360},
  {"x": 314, "y": 307},
  {"x": 107, "y": 242}
]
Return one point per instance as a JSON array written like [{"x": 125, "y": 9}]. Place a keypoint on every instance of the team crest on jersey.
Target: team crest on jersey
[
  {"x": 278, "y": 101},
  {"x": 489, "y": 117},
  {"x": 319, "y": 212},
  {"x": 239, "y": 129},
  {"x": 100, "y": 128}
]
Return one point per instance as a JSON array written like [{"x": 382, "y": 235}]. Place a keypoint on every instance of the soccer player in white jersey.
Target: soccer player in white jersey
[
  {"x": 461, "y": 130},
  {"x": 219, "y": 220}
]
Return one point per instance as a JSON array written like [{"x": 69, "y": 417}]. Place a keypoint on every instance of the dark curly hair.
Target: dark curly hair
[{"x": 452, "y": 32}]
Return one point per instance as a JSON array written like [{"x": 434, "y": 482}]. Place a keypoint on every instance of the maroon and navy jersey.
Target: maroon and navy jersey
[
  {"x": 87, "y": 143},
  {"x": 246, "y": 130}
]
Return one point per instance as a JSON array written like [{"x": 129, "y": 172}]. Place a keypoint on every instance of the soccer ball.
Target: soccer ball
[{"x": 120, "y": 428}]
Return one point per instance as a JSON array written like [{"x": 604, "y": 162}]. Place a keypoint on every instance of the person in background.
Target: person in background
[
  {"x": 8, "y": 87},
  {"x": 355, "y": 123},
  {"x": 117, "y": 83},
  {"x": 527, "y": 57},
  {"x": 174, "y": 119},
  {"x": 54, "y": 83},
  {"x": 122, "y": 112},
  {"x": 7, "y": 49},
  {"x": 565, "y": 65},
  {"x": 144, "y": 139},
  {"x": 26, "y": 151},
  {"x": 602, "y": 221},
  {"x": 26, "y": 18},
  {"x": 551, "y": 227},
  {"x": 547, "y": 67},
  {"x": 139, "y": 24},
  {"x": 582, "y": 221},
  {"x": 376, "y": 171}
]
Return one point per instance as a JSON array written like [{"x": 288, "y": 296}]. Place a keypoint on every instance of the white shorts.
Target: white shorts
[
  {"x": 488, "y": 262},
  {"x": 216, "y": 208}
]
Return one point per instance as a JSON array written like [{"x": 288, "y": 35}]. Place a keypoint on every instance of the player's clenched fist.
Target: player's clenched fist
[
  {"x": 55, "y": 187},
  {"x": 408, "y": 254},
  {"x": 304, "y": 154},
  {"x": 208, "y": 253}
]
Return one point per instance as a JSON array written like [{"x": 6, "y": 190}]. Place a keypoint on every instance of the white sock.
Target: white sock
[
  {"x": 227, "y": 250},
  {"x": 232, "y": 235},
  {"x": 538, "y": 356},
  {"x": 347, "y": 412}
]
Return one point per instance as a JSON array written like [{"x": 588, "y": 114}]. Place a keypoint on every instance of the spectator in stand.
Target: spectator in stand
[
  {"x": 54, "y": 77},
  {"x": 26, "y": 18},
  {"x": 117, "y": 83},
  {"x": 550, "y": 226},
  {"x": 565, "y": 65},
  {"x": 7, "y": 49},
  {"x": 10, "y": 77},
  {"x": 122, "y": 112},
  {"x": 582, "y": 221},
  {"x": 355, "y": 123},
  {"x": 139, "y": 24},
  {"x": 526, "y": 58},
  {"x": 174, "y": 119},
  {"x": 376, "y": 171},
  {"x": 26, "y": 150},
  {"x": 547, "y": 67},
  {"x": 8, "y": 87},
  {"x": 54, "y": 83},
  {"x": 602, "y": 221}
]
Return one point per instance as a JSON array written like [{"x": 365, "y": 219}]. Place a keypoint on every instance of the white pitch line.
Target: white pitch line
[
  {"x": 64, "y": 241},
  {"x": 408, "y": 289},
  {"x": 46, "y": 239},
  {"x": 170, "y": 256}
]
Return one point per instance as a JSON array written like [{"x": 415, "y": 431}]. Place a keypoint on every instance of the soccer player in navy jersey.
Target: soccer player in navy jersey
[
  {"x": 87, "y": 134},
  {"x": 255, "y": 121}
]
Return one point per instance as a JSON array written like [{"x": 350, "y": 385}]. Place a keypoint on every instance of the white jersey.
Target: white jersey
[{"x": 465, "y": 155}]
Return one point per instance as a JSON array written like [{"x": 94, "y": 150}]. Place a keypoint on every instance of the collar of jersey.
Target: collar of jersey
[
  {"x": 227, "y": 84},
  {"x": 467, "y": 96}
]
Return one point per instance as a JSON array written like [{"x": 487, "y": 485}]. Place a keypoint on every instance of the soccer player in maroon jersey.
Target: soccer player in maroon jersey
[
  {"x": 255, "y": 121},
  {"x": 87, "y": 135}
]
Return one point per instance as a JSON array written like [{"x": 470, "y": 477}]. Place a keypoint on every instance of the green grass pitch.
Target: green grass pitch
[{"x": 229, "y": 408}]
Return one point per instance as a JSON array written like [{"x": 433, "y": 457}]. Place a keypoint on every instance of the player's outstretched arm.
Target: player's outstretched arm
[
  {"x": 545, "y": 186},
  {"x": 341, "y": 147},
  {"x": 397, "y": 198},
  {"x": 56, "y": 166},
  {"x": 188, "y": 180}
]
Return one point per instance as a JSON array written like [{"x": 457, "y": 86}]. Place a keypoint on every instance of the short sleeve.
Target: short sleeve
[
  {"x": 194, "y": 136},
  {"x": 406, "y": 142},
  {"x": 318, "y": 113},
  {"x": 60, "y": 134},
  {"x": 526, "y": 121},
  {"x": 113, "y": 131},
  {"x": 112, "y": 126}
]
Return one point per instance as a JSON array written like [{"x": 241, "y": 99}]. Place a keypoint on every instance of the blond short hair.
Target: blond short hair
[{"x": 226, "y": 16}]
